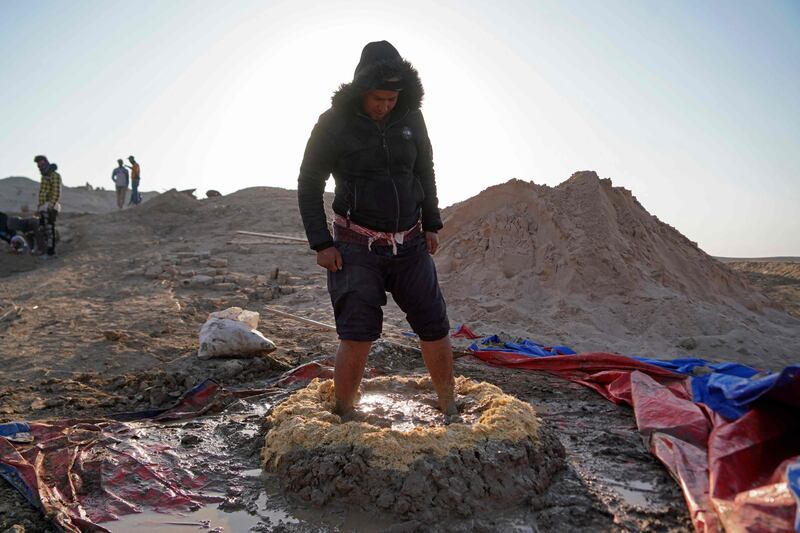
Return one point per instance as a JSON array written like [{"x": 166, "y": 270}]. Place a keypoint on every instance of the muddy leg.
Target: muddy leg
[
  {"x": 351, "y": 358},
  {"x": 438, "y": 357}
]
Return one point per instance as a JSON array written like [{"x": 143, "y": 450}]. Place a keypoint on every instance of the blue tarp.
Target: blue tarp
[
  {"x": 727, "y": 388},
  {"x": 10, "y": 429},
  {"x": 526, "y": 347}
]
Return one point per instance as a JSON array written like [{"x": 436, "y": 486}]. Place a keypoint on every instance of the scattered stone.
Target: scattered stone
[
  {"x": 191, "y": 440},
  {"x": 198, "y": 281},
  {"x": 689, "y": 343},
  {"x": 224, "y": 286},
  {"x": 211, "y": 193},
  {"x": 158, "y": 396},
  {"x": 218, "y": 263},
  {"x": 115, "y": 335},
  {"x": 153, "y": 272},
  {"x": 229, "y": 369},
  {"x": 38, "y": 404},
  {"x": 267, "y": 293}
]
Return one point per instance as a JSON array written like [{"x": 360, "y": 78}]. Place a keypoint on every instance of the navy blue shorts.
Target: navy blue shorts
[{"x": 358, "y": 291}]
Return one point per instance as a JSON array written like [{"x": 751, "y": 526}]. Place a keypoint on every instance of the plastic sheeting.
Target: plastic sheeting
[
  {"x": 82, "y": 474},
  {"x": 738, "y": 474},
  {"x": 738, "y": 463}
]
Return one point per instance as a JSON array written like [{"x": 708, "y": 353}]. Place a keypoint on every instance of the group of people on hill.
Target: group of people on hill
[
  {"x": 120, "y": 178},
  {"x": 37, "y": 234}
]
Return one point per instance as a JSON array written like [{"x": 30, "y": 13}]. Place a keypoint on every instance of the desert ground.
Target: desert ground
[{"x": 111, "y": 325}]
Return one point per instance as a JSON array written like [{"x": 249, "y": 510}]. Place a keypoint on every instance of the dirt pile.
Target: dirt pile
[
  {"x": 585, "y": 264},
  {"x": 17, "y": 193}
]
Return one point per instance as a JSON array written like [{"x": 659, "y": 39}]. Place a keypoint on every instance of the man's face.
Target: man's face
[
  {"x": 42, "y": 164},
  {"x": 379, "y": 103}
]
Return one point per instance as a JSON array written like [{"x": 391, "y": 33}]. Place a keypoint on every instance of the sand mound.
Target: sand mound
[
  {"x": 171, "y": 201},
  {"x": 585, "y": 264}
]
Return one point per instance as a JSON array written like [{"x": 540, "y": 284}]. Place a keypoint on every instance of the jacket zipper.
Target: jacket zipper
[
  {"x": 394, "y": 185},
  {"x": 389, "y": 165}
]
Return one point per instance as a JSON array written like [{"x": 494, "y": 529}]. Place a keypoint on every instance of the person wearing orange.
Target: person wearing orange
[{"x": 136, "y": 198}]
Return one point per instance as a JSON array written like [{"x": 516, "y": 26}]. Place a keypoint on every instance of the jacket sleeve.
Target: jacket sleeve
[
  {"x": 318, "y": 162},
  {"x": 423, "y": 169}
]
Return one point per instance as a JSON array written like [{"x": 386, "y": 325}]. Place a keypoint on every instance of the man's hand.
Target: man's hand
[
  {"x": 432, "y": 239},
  {"x": 330, "y": 259}
]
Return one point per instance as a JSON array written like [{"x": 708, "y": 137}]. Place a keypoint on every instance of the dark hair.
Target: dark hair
[
  {"x": 40, "y": 158},
  {"x": 119, "y": 161}
]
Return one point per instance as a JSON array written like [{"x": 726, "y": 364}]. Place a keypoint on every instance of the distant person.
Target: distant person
[
  {"x": 120, "y": 178},
  {"x": 23, "y": 234},
  {"x": 136, "y": 198},
  {"x": 49, "y": 196}
]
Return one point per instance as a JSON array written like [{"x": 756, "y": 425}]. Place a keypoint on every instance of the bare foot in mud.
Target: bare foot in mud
[
  {"x": 347, "y": 414},
  {"x": 450, "y": 411},
  {"x": 354, "y": 415}
]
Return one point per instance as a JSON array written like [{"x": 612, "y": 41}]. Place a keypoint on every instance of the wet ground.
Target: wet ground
[
  {"x": 402, "y": 407},
  {"x": 611, "y": 482}
]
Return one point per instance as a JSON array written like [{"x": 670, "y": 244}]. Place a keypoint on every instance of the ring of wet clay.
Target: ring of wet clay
[{"x": 398, "y": 455}]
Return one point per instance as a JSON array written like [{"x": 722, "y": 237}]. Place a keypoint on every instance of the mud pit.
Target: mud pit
[{"x": 398, "y": 456}]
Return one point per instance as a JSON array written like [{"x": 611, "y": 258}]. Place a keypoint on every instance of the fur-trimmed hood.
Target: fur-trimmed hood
[{"x": 380, "y": 62}]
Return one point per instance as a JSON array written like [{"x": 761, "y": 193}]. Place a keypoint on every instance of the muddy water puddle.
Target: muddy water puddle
[
  {"x": 268, "y": 513},
  {"x": 404, "y": 407},
  {"x": 634, "y": 493},
  {"x": 401, "y": 412},
  {"x": 210, "y": 518},
  {"x": 224, "y": 449}
]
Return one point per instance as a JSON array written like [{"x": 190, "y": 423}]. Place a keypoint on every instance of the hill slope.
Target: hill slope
[
  {"x": 585, "y": 264},
  {"x": 17, "y": 192}
]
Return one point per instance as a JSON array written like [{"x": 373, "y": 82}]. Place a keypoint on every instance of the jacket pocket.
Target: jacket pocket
[
  {"x": 419, "y": 192},
  {"x": 376, "y": 199}
]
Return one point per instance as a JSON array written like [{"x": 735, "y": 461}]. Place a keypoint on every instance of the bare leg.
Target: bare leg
[
  {"x": 351, "y": 358},
  {"x": 438, "y": 357}
]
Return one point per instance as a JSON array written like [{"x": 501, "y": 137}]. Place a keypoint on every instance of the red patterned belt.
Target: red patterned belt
[{"x": 347, "y": 231}]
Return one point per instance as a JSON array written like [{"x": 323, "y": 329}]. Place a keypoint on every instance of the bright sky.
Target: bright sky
[{"x": 694, "y": 106}]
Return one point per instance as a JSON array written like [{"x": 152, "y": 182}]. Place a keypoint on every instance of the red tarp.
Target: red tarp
[
  {"x": 84, "y": 473},
  {"x": 733, "y": 474}
]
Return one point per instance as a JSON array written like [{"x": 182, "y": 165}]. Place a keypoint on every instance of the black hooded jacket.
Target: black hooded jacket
[{"x": 384, "y": 173}]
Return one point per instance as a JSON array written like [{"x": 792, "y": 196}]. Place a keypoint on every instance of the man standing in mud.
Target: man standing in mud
[
  {"x": 374, "y": 141},
  {"x": 49, "y": 196}
]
